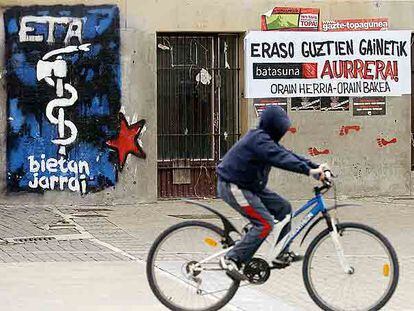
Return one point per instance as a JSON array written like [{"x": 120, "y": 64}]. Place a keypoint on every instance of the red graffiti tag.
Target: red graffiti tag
[
  {"x": 128, "y": 140},
  {"x": 345, "y": 129},
  {"x": 292, "y": 130},
  {"x": 382, "y": 142},
  {"x": 315, "y": 152}
]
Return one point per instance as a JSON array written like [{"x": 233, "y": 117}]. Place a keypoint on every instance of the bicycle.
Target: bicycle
[{"x": 358, "y": 257}]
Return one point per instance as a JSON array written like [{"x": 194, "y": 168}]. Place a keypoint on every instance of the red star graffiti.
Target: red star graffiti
[{"x": 128, "y": 140}]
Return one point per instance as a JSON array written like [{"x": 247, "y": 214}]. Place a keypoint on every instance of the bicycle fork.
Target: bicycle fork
[{"x": 338, "y": 247}]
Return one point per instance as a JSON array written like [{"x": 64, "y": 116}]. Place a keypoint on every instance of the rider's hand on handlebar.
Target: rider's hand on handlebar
[
  {"x": 316, "y": 173},
  {"x": 319, "y": 173}
]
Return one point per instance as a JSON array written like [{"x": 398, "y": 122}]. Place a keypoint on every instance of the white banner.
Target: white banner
[{"x": 313, "y": 64}]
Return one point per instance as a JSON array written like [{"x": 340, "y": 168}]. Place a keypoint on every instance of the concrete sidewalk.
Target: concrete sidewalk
[
  {"x": 392, "y": 217},
  {"x": 89, "y": 258},
  {"x": 69, "y": 286}
]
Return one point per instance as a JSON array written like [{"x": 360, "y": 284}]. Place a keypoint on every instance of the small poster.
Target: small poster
[
  {"x": 369, "y": 106},
  {"x": 305, "y": 103},
  {"x": 260, "y": 104},
  {"x": 293, "y": 19},
  {"x": 335, "y": 103}
]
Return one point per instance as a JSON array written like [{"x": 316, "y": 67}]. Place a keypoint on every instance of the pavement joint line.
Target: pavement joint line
[
  {"x": 114, "y": 249},
  {"x": 81, "y": 229},
  {"x": 235, "y": 304},
  {"x": 131, "y": 235},
  {"x": 69, "y": 218},
  {"x": 121, "y": 252}
]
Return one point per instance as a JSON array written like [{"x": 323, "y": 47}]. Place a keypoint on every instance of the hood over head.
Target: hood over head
[{"x": 274, "y": 121}]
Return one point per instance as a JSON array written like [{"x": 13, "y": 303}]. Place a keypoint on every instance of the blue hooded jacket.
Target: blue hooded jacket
[{"x": 247, "y": 164}]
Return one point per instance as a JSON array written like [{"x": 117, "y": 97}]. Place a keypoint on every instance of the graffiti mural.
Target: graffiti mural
[{"x": 63, "y": 97}]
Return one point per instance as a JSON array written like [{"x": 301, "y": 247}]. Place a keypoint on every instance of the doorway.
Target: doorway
[{"x": 198, "y": 110}]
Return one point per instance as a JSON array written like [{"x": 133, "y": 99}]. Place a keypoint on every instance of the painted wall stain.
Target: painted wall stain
[
  {"x": 382, "y": 142},
  {"x": 292, "y": 130},
  {"x": 346, "y": 129},
  {"x": 313, "y": 151}
]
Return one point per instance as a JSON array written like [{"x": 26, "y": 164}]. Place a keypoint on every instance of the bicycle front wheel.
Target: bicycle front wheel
[
  {"x": 373, "y": 276},
  {"x": 173, "y": 268}
]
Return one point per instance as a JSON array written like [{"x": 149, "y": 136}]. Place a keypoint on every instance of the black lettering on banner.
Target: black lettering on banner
[
  {"x": 272, "y": 50},
  {"x": 255, "y": 50},
  {"x": 265, "y": 50},
  {"x": 277, "y": 70},
  {"x": 383, "y": 47},
  {"x": 326, "y": 48},
  {"x": 281, "y": 89}
]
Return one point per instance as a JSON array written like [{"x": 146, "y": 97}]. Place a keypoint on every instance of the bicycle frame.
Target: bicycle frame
[{"x": 317, "y": 205}]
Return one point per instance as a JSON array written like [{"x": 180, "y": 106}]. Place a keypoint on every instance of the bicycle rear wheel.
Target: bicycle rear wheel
[
  {"x": 372, "y": 258},
  {"x": 171, "y": 260}
]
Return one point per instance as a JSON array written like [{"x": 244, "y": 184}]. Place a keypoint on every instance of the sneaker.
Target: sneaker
[
  {"x": 233, "y": 269},
  {"x": 285, "y": 259}
]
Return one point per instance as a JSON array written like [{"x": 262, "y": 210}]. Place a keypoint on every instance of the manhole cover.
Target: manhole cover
[{"x": 195, "y": 216}]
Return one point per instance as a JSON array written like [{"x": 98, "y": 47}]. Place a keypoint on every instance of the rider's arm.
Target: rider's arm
[{"x": 277, "y": 156}]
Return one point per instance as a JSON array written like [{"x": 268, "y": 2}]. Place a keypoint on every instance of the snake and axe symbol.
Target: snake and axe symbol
[{"x": 52, "y": 68}]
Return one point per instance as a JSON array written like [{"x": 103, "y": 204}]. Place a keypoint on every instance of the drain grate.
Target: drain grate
[
  {"x": 59, "y": 226},
  {"x": 59, "y": 237},
  {"x": 29, "y": 239},
  {"x": 35, "y": 239},
  {"x": 195, "y": 216}
]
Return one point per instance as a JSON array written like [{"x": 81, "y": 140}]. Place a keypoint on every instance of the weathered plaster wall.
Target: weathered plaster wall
[{"x": 365, "y": 169}]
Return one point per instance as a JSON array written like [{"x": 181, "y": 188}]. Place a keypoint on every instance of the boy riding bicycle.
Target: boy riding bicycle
[{"x": 242, "y": 178}]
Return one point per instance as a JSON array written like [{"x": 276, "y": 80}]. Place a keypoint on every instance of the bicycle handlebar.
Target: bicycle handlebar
[{"x": 327, "y": 181}]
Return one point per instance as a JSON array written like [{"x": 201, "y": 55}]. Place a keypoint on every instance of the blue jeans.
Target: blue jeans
[{"x": 260, "y": 208}]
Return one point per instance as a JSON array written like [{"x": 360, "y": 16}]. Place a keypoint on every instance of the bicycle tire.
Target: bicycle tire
[
  {"x": 150, "y": 271},
  {"x": 315, "y": 242}
]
